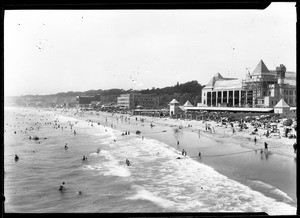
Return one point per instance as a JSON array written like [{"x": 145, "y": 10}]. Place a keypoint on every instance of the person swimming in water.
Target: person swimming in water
[
  {"x": 98, "y": 150},
  {"x": 183, "y": 152},
  {"x": 84, "y": 158},
  {"x": 16, "y": 157},
  {"x": 66, "y": 147},
  {"x": 128, "y": 162},
  {"x": 61, "y": 187}
]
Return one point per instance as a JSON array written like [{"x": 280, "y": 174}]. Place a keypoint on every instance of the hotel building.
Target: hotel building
[
  {"x": 132, "y": 100},
  {"x": 261, "y": 88}
]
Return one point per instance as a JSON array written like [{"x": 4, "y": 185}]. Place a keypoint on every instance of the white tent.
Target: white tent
[
  {"x": 281, "y": 107},
  {"x": 174, "y": 101},
  {"x": 188, "y": 104}
]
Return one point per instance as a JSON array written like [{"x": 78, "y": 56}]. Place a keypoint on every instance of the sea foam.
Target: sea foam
[
  {"x": 144, "y": 194},
  {"x": 184, "y": 184}
]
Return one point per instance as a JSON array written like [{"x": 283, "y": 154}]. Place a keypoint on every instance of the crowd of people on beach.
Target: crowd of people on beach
[{"x": 209, "y": 128}]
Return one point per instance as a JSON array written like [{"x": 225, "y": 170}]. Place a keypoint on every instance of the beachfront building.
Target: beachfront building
[
  {"x": 281, "y": 107},
  {"x": 174, "y": 107},
  {"x": 261, "y": 88},
  {"x": 126, "y": 101},
  {"x": 134, "y": 100},
  {"x": 87, "y": 100}
]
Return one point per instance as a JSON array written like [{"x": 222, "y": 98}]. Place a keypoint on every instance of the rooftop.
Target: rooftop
[
  {"x": 188, "y": 104},
  {"x": 231, "y": 109},
  {"x": 228, "y": 84},
  {"x": 219, "y": 82},
  {"x": 281, "y": 103},
  {"x": 174, "y": 101},
  {"x": 261, "y": 68}
]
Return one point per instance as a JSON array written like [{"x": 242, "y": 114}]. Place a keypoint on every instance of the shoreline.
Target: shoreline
[
  {"x": 191, "y": 128},
  {"x": 280, "y": 146},
  {"x": 276, "y": 144},
  {"x": 237, "y": 142}
]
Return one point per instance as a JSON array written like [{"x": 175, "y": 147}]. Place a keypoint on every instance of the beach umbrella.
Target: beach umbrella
[{"x": 288, "y": 122}]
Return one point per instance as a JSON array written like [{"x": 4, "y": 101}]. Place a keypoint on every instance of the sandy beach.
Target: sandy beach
[
  {"x": 158, "y": 166},
  {"x": 277, "y": 143},
  {"x": 220, "y": 145}
]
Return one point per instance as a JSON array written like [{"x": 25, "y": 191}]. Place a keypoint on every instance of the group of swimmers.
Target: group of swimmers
[
  {"x": 126, "y": 133},
  {"x": 62, "y": 189}
]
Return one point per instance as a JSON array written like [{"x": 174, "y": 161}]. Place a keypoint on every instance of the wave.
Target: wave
[
  {"x": 144, "y": 194},
  {"x": 191, "y": 186},
  {"x": 273, "y": 190},
  {"x": 110, "y": 166}
]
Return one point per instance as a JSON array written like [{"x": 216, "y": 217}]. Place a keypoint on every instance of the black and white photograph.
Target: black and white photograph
[{"x": 150, "y": 111}]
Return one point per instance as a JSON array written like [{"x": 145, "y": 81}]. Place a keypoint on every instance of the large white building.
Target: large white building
[
  {"x": 131, "y": 101},
  {"x": 261, "y": 88}
]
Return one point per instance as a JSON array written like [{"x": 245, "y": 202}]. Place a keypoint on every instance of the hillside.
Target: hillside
[{"x": 182, "y": 92}]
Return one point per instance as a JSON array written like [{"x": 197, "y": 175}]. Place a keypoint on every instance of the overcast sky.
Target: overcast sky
[{"x": 51, "y": 51}]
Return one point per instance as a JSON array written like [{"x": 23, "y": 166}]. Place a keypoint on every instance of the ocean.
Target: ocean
[{"x": 158, "y": 180}]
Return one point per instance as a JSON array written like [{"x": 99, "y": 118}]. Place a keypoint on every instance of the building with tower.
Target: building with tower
[
  {"x": 261, "y": 88},
  {"x": 174, "y": 107}
]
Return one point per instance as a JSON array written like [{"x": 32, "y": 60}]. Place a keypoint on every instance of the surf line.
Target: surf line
[
  {"x": 219, "y": 155},
  {"x": 147, "y": 133},
  {"x": 154, "y": 132}
]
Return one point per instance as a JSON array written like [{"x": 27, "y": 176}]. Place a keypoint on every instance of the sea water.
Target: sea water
[{"x": 156, "y": 181}]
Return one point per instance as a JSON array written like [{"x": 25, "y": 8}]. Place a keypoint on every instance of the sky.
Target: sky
[{"x": 52, "y": 51}]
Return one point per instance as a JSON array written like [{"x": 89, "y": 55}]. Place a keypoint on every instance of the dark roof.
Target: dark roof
[{"x": 261, "y": 68}]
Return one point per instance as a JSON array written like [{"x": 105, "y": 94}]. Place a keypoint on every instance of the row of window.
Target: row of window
[
  {"x": 143, "y": 99},
  {"x": 224, "y": 93},
  {"x": 146, "y": 103},
  {"x": 289, "y": 92},
  {"x": 286, "y": 92},
  {"x": 291, "y": 100}
]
